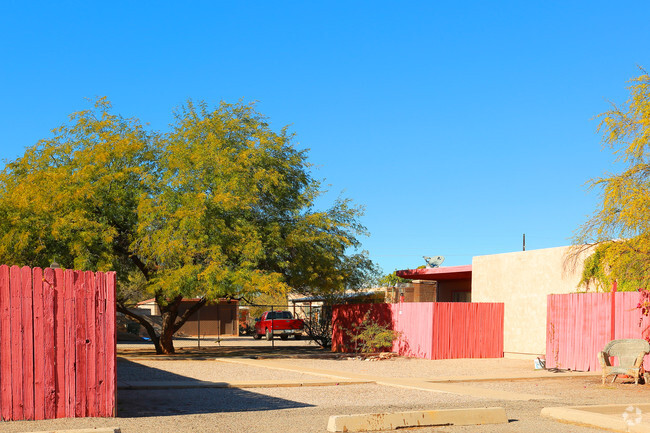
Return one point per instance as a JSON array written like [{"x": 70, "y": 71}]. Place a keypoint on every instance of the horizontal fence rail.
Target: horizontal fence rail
[
  {"x": 429, "y": 330},
  {"x": 57, "y": 344},
  {"x": 579, "y": 325}
]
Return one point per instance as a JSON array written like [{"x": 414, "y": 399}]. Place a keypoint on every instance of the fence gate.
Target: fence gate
[{"x": 57, "y": 344}]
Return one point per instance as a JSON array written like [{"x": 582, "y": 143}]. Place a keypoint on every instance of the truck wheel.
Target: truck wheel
[
  {"x": 256, "y": 336},
  {"x": 298, "y": 336},
  {"x": 269, "y": 336},
  {"x": 284, "y": 337}
]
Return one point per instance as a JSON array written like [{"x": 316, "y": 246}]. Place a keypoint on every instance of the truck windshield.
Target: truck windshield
[{"x": 279, "y": 315}]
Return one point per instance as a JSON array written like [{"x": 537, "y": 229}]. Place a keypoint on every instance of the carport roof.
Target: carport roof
[{"x": 437, "y": 274}]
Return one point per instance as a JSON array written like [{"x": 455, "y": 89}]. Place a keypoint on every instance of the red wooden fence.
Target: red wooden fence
[
  {"x": 430, "y": 330},
  {"x": 57, "y": 343},
  {"x": 578, "y": 326}
]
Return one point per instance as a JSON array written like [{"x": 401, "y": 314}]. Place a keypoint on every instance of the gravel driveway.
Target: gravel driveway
[{"x": 307, "y": 409}]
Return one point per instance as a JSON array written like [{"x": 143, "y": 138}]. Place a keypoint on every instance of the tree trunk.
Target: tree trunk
[
  {"x": 171, "y": 322},
  {"x": 167, "y": 332},
  {"x": 144, "y": 322}
]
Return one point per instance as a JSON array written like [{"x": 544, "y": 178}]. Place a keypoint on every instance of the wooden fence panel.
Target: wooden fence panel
[
  {"x": 17, "y": 343},
  {"x": 467, "y": 330},
  {"x": 345, "y": 317},
  {"x": 579, "y": 325},
  {"x": 6, "y": 406},
  {"x": 410, "y": 319},
  {"x": 111, "y": 347},
  {"x": 80, "y": 343},
  {"x": 57, "y": 333},
  {"x": 431, "y": 330},
  {"x": 70, "y": 346},
  {"x": 39, "y": 341},
  {"x": 91, "y": 343},
  {"x": 49, "y": 344},
  {"x": 101, "y": 404},
  {"x": 28, "y": 342}
]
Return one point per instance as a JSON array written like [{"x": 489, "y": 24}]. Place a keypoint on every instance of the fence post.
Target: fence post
[
  {"x": 613, "y": 314},
  {"x": 272, "y": 327}
]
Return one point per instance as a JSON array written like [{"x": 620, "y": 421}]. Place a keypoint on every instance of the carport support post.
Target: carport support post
[
  {"x": 198, "y": 320},
  {"x": 613, "y": 314},
  {"x": 272, "y": 328}
]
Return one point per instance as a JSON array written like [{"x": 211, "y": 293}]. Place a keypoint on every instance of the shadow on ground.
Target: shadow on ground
[
  {"x": 232, "y": 351},
  {"x": 186, "y": 401}
]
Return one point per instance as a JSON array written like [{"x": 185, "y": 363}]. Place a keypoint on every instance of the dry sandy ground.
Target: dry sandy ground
[{"x": 307, "y": 409}]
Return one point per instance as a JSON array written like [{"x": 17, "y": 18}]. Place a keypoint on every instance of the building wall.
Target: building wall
[
  {"x": 522, "y": 280},
  {"x": 423, "y": 291},
  {"x": 216, "y": 319},
  {"x": 447, "y": 288},
  {"x": 151, "y": 308}
]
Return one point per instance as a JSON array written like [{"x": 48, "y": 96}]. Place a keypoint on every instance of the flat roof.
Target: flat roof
[{"x": 437, "y": 274}]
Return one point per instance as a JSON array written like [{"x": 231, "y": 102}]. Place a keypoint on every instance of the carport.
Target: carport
[{"x": 454, "y": 283}]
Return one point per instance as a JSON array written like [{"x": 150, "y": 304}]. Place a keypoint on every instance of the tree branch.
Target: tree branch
[
  {"x": 180, "y": 321},
  {"x": 143, "y": 320}
]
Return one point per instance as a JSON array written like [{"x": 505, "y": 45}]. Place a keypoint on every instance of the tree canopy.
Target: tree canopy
[
  {"x": 218, "y": 206},
  {"x": 620, "y": 227}
]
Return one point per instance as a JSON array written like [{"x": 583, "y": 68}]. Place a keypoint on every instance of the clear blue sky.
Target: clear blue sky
[{"x": 459, "y": 125}]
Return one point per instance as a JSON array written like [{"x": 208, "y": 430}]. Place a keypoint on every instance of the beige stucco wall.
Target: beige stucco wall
[{"x": 522, "y": 280}]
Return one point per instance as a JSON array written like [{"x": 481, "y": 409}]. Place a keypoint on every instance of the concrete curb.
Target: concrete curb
[
  {"x": 610, "y": 417},
  {"x": 84, "y": 430},
  {"x": 420, "y": 418}
]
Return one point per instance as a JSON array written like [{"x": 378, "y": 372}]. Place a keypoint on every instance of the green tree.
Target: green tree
[
  {"x": 219, "y": 206},
  {"x": 391, "y": 280},
  {"x": 619, "y": 230}
]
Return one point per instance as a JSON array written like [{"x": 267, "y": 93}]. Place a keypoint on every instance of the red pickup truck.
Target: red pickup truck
[{"x": 279, "y": 323}]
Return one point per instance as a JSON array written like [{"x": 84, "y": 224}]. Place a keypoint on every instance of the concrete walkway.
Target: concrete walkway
[
  {"x": 448, "y": 384},
  {"x": 437, "y": 384},
  {"x": 615, "y": 417}
]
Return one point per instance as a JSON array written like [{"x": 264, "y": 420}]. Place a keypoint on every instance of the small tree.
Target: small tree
[{"x": 370, "y": 336}]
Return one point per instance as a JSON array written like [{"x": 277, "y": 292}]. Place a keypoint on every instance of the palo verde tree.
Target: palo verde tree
[
  {"x": 619, "y": 230},
  {"x": 219, "y": 206}
]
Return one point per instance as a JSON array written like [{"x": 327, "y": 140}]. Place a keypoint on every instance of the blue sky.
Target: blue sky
[{"x": 458, "y": 125}]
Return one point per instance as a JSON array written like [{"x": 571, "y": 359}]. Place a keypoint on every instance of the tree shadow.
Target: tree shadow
[
  {"x": 210, "y": 352},
  {"x": 187, "y": 397}
]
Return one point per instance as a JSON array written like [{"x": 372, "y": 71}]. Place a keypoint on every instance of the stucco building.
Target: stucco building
[{"x": 521, "y": 280}]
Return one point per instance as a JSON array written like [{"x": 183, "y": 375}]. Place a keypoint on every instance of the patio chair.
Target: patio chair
[{"x": 630, "y": 354}]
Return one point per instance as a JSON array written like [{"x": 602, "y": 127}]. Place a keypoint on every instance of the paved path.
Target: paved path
[
  {"x": 438, "y": 384},
  {"x": 448, "y": 384}
]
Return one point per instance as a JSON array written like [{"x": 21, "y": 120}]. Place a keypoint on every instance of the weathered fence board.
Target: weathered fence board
[
  {"x": 111, "y": 348},
  {"x": 579, "y": 325},
  {"x": 431, "y": 330},
  {"x": 17, "y": 343},
  {"x": 39, "y": 341},
  {"x": 59, "y": 306},
  {"x": 57, "y": 343},
  {"x": 28, "y": 342},
  {"x": 5, "y": 345}
]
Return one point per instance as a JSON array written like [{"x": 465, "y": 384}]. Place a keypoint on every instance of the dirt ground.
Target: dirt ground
[{"x": 308, "y": 408}]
